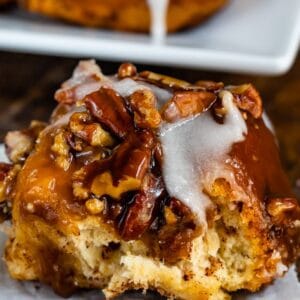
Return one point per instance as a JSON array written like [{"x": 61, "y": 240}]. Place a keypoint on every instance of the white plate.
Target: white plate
[
  {"x": 254, "y": 36},
  {"x": 287, "y": 287}
]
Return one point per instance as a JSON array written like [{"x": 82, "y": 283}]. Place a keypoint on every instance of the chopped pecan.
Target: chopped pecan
[
  {"x": 138, "y": 217},
  {"x": 81, "y": 126},
  {"x": 247, "y": 98},
  {"x": 283, "y": 210},
  {"x": 186, "y": 104},
  {"x": 143, "y": 103},
  {"x": 109, "y": 109},
  {"x": 133, "y": 156},
  {"x": 61, "y": 150},
  {"x": 127, "y": 70}
]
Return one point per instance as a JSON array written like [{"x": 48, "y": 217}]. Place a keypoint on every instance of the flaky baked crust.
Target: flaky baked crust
[
  {"x": 129, "y": 15},
  {"x": 90, "y": 208}
]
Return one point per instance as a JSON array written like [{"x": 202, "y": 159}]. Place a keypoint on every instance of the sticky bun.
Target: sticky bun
[{"x": 143, "y": 181}]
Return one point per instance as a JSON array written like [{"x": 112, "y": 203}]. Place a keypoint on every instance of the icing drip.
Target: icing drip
[
  {"x": 127, "y": 87},
  {"x": 192, "y": 147},
  {"x": 158, "y": 12}
]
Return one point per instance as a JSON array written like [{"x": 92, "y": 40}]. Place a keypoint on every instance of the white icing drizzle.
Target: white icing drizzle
[
  {"x": 158, "y": 13},
  {"x": 196, "y": 147},
  {"x": 128, "y": 86},
  {"x": 268, "y": 122}
]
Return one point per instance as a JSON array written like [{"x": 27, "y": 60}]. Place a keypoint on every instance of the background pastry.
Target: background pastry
[{"x": 131, "y": 15}]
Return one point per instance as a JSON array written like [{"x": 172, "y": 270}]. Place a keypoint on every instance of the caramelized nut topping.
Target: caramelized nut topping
[
  {"x": 127, "y": 70},
  {"x": 187, "y": 104},
  {"x": 119, "y": 173},
  {"x": 61, "y": 149},
  {"x": 133, "y": 157},
  {"x": 109, "y": 109},
  {"x": 140, "y": 214},
  {"x": 80, "y": 125},
  {"x": 143, "y": 103},
  {"x": 247, "y": 98}
]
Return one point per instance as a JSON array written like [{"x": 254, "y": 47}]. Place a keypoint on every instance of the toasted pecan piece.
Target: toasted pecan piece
[
  {"x": 139, "y": 215},
  {"x": 127, "y": 70},
  {"x": 247, "y": 98},
  {"x": 82, "y": 126},
  {"x": 186, "y": 104},
  {"x": 109, "y": 109},
  {"x": 143, "y": 103}
]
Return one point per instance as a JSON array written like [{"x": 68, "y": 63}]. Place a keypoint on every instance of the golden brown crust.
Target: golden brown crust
[{"x": 129, "y": 15}]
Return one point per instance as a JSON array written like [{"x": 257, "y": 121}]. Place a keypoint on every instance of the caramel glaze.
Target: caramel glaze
[
  {"x": 47, "y": 187},
  {"x": 257, "y": 168}
]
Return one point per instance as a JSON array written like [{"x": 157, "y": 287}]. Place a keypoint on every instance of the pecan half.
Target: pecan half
[
  {"x": 127, "y": 70},
  {"x": 133, "y": 156},
  {"x": 120, "y": 173},
  {"x": 247, "y": 98},
  {"x": 186, "y": 104},
  {"x": 137, "y": 219},
  {"x": 143, "y": 103},
  {"x": 109, "y": 109},
  {"x": 61, "y": 150},
  {"x": 81, "y": 126}
]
